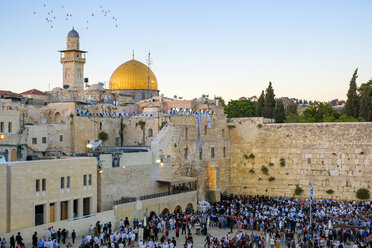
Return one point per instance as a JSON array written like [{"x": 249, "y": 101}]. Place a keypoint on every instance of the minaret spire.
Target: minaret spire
[{"x": 133, "y": 54}]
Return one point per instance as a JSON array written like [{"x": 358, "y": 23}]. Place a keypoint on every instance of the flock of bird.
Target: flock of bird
[{"x": 51, "y": 16}]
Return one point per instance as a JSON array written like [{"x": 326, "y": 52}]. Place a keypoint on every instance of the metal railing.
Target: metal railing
[
  {"x": 125, "y": 200},
  {"x": 146, "y": 197},
  {"x": 151, "y": 196}
]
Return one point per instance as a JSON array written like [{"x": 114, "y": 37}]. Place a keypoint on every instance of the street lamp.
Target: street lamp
[{"x": 2, "y": 136}]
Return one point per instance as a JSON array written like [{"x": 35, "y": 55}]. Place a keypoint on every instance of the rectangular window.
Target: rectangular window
[
  {"x": 186, "y": 153},
  {"x": 200, "y": 155},
  {"x": 1, "y": 127},
  {"x": 34, "y": 141},
  {"x": 37, "y": 185},
  {"x": 212, "y": 152},
  {"x": 43, "y": 140},
  {"x": 43, "y": 184},
  {"x": 205, "y": 130},
  {"x": 68, "y": 182},
  {"x": 62, "y": 182},
  {"x": 9, "y": 127},
  {"x": 85, "y": 180},
  {"x": 61, "y": 138},
  {"x": 224, "y": 152},
  {"x": 185, "y": 132},
  {"x": 90, "y": 179}
]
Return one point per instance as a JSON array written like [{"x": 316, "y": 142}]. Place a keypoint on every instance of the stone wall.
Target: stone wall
[
  {"x": 22, "y": 195},
  {"x": 139, "y": 209},
  {"x": 136, "y": 176},
  {"x": 335, "y": 156},
  {"x": 3, "y": 196},
  {"x": 186, "y": 158}
]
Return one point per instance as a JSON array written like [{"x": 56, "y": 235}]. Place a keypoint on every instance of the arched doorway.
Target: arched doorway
[
  {"x": 14, "y": 155},
  {"x": 189, "y": 208},
  {"x": 165, "y": 211},
  {"x": 6, "y": 155},
  {"x": 178, "y": 209}
]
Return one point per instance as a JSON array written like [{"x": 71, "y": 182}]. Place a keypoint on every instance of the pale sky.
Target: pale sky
[{"x": 308, "y": 49}]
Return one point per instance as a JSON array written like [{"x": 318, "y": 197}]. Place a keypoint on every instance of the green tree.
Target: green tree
[
  {"x": 260, "y": 104},
  {"x": 352, "y": 102},
  {"x": 240, "y": 108},
  {"x": 221, "y": 101},
  {"x": 279, "y": 112},
  {"x": 365, "y": 103},
  {"x": 346, "y": 118},
  {"x": 269, "y": 105},
  {"x": 294, "y": 118},
  {"x": 291, "y": 108},
  {"x": 320, "y": 112}
]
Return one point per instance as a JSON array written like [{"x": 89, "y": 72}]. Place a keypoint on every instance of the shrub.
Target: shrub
[
  {"x": 330, "y": 192},
  {"x": 298, "y": 190},
  {"x": 245, "y": 156},
  {"x": 141, "y": 124},
  {"x": 71, "y": 115},
  {"x": 282, "y": 162},
  {"x": 271, "y": 164},
  {"x": 103, "y": 136},
  {"x": 271, "y": 179},
  {"x": 251, "y": 171},
  {"x": 251, "y": 155},
  {"x": 175, "y": 145},
  {"x": 363, "y": 194},
  {"x": 259, "y": 125},
  {"x": 259, "y": 179},
  {"x": 264, "y": 170}
]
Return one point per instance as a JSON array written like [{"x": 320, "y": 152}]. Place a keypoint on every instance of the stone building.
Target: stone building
[
  {"x": 45, "y": 191},
  {"x": 73, "y": 60}
]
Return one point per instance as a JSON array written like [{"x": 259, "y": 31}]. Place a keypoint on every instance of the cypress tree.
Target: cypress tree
[
  {"x": 279, "y": 113},
  {"x": 365, "y": 104},
  {"x": 352, "y": 102},
  {"x": 260, "y": 104},
  {"x": 269, "y": 105}
]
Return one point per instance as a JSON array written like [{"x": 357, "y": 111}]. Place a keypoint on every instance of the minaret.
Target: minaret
[{"x": 73, "y": 60}]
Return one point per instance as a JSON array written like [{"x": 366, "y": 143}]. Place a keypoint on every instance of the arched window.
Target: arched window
[
  {"x": 223, "y": 133},
  {"x": 149, "y": 132},
  {"x": 6, "y": 155},
  {"x": 185, "y": 132}
]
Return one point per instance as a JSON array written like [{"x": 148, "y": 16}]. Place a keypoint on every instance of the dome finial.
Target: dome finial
[{"x": 133, "y": 54}]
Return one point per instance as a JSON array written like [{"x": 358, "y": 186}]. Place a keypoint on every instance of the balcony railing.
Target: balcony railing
[{"x": 151, "y": 196}]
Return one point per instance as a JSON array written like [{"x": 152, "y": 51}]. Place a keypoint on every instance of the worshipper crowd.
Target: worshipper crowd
[{"x": 250, "y": 222}]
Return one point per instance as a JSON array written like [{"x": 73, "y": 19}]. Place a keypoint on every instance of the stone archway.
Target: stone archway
[
  {"x": 178, "y": 209},
  {"x": 189, "y": 207},
  {"x": 6, "y": 155},
  {"x": 165, "y": 211}
]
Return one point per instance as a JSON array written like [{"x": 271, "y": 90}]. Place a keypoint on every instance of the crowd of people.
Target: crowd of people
[{"x": 248, "y": 221}]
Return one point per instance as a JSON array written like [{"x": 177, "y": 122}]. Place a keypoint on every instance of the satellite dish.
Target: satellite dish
[
  {"x": 51, "y": 139},
  {"x": 43, "y": 120}
]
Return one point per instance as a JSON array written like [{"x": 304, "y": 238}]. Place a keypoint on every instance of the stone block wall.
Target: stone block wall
[{"x": 336, "y": 156}]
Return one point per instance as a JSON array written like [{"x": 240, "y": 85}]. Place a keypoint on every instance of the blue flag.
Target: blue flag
[
  {"x": 199, "y": 131},
  {"x": 311, "y": 191}
]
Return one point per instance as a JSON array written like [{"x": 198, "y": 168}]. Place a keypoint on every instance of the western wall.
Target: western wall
[{"x": 334, "y": 156}]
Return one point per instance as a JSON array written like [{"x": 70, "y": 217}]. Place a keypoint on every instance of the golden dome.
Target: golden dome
[{"x": 133, "y": 75}]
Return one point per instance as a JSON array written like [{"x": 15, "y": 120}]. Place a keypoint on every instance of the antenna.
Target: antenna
[{"x": 149, "y": 62}]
